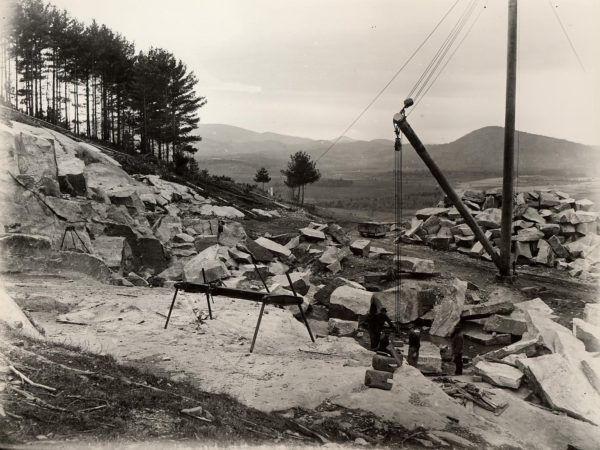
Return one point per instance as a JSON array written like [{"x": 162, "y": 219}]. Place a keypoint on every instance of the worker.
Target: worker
[
  {"x": 376, "y": 323},
  {"x": 457, "y": 351},
  {"x": 414, "y": 344}
]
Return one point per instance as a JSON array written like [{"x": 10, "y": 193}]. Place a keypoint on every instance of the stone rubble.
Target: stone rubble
[{"x": 547, "y": 228}]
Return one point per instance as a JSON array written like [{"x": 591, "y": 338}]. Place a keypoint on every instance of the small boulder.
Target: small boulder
[
  {"x": 499, "y": 374},
  {"x": 342, "y": 328},
  {"x": 361, "y": 247}
]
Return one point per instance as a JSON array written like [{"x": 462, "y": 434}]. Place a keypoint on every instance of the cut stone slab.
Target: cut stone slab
[
  {"x": 588, "y": 334},
  {"x": 490, "y": 218},
  {"x": 516, "y": 326},
  {"x": 428, "y": 212},
  {"x": 558, "y": 248},
  {"x": 323, "y": 295},
  {"x": 432, "y": 225},
  {"x": 483, "y": 338},
  {"x": 338, "y": 327},
  {"x": 487, "y": 309},
  {"x": 273, "y": 247},
  {"x": 329, "y": 256},
  {"x": 221, "y": 211},
  {"x": 532, "y": 215},
  {"x": 419, "y": 266},
  {"x": 208, "y": 260},
  {"x": 545, "y": 254},
  {"x": 447, "y": 313},
  {"x": 183, "y": 238},
  {"x": 136, "y": 280},
  {"x": 275, "y": 267},
  {"x": 110, "y": 250},
  {"x": 549, "y": 229},
  {"x": 293, "y": 243},
  {"x": 523, "y": 250},
  {"x": 591, "y": 314},
  {"x": 555, "y": 337},
  {"x": 166, "y": 228},
  {"x": 379, "y": 379},
  {"x": 232, "y": 234},
  {"x": 583, "y": 205},
  {"x": 414, "y": 301},
  {"x": 499, "y": 374},
  {"x": 202, "y": 242},
  {"x": 349, "y": 303},
  {"x": 528, "y": 347},
  {"x": 548, "y": 199},
  {"x": 361, "y": 247},
  {"x": 300, "y": 281},
  {"x": 563, "y": 386},
  {"x": 338, "y": 234},
  {"x": 591, "y": 369},
  {"x": 313, "y": 234},
  {"x": 529, "y": 235},
  {"x": 537, "y": 305},
  {"x": 430, "y": 358},
  {"x": 260, "y": 253}
]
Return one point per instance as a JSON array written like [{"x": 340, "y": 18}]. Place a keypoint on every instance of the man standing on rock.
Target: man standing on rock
[
  {"x": 376, "y": 322},
  {"x": 457, "y": 351},
  {"x": 414, "y": 344}
]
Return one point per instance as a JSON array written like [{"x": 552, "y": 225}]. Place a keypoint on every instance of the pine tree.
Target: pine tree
[
  {"x": 262, "y": 176},
  {"x": 301, "y": 170}
]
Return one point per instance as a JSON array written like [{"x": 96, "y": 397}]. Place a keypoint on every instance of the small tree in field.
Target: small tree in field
[
  {"x": 301, "y": 170},
  {"x": 262, "y": 176}
]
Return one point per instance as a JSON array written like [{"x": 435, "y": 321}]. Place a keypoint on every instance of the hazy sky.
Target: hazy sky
[{"x": 308, "y": 67}]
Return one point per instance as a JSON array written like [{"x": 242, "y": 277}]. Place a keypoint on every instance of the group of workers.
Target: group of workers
[{"x": 379, "y": 337}]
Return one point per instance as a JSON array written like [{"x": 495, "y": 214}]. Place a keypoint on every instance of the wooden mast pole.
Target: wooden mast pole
[{"x": 509, "y": 143}]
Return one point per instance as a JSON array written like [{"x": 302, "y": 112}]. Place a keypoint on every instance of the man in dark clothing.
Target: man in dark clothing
[
  {"x": 457, "y": 351},
  {"x": 376, "y": 322},
  {"x": 414, "y": 344}
]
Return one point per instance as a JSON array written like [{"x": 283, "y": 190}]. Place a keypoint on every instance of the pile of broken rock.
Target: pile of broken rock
[
  {"x": 562, "y": 367},
  {"x": 549, "y": 228}
]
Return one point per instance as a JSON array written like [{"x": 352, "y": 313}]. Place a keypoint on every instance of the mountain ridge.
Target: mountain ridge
[{"x": 480, "y": 151}]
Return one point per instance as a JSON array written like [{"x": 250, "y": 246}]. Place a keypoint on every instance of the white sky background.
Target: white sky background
[{"x": 309, "y": 67}]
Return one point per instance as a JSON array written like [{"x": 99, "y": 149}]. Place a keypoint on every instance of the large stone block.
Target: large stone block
[
  {"x": 338, "y": 327},
  {"x": 447, "y": 313},
  {"x": 588, "y": 334},
  {"x": 416, "y": 266},
  {"x": 415, "y": 301},
  {"x": 591, "y": 314},
  {"x": 110, "y": 250},
  {"x": 273, "y": 247},
  {"x": 499, "y": 374},
  {"x": 232, "y": 234},
  {"x": 361, "y": 247},
  {"x": 349, "y": 303},
  {"x": 490, "y": 218},
  {"x": 487, "y": 309},
  {"x": 562, "y": 386},
  {"x": 514, "y": 325},
  {"x": 166, "y": 228}
]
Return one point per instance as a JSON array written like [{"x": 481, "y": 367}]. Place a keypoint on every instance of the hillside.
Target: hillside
[{"x": 236, "y": 152}]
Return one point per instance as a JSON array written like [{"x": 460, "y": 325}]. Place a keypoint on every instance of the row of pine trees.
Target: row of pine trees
[{"x": 89, "y": 79}]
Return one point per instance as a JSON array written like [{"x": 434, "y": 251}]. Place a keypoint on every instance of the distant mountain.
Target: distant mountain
[{"x": 236, "y": 152}]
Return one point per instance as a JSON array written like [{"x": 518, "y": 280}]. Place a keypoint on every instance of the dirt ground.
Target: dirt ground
[{"x": 286, "y": 371}]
